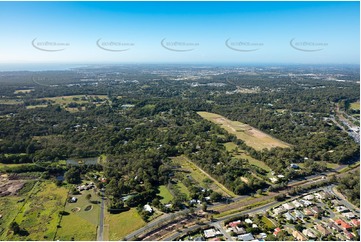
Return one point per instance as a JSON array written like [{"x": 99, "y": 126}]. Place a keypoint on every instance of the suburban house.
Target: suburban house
[
  {"x": 356, "y": 222},
  {"x": 306, "y": 202},
  {"x": 307, "y": 212},
  {"x": 344, "y": 225},
  {"x": 298, "y": 235},
  {"x": 315, "y": 210},
  {"x": 341, "y": 209},
  {"x": 309, "y": 233},
  {"x": 247, "y": 220},
  {"x": 245, "y": 237},
  {"x": 277, "y": 230},
  {"x": 288, "y": 206},
  {"x": 299, "y": 214},
  {"x": 322, "y": 230},
  {"x": 289, "y": 217},
  {"x": 279, "y": 210},
  {"x": 309, "y": 197},
  {"x": 210, "y": 233},
  {"x": 235, "y": 223},
  {"x": 349, "y": 215},
  {"x": 348, "y": 235},
  {"x": 297, "y": 204},
  {"x": 333, "y": 226},
  {"x": 148, "y": 208},
  {"x": 239, "y": 230}
]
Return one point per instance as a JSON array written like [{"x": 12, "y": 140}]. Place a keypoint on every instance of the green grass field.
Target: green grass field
[
  {"x": 11, "y": 101},
  {"x": 9, "y": 208},
  {"x": 199, "y": 176},
  {"x": 241, "y": 154},
  {"x": 123, "y": 223},
  {"x": 87, "y": 221},
  {"x": 251, "y": 136},
  {"x": 182, "y": 188},
  {"x": 36, "y": 106},
  {"x": 64, "y": 100},
  {"x": 268, "y": 223},
  {"x": 165, "y": 194},
  {"x": 40, "y": 214},
  {"x": 76, "y": 228},
  {"x": 355, "y": 105}
]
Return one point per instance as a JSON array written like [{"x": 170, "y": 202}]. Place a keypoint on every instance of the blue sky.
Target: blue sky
[{"x": 192, "y": 32}]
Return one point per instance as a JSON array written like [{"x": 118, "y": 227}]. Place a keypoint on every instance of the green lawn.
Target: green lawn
[
  {"x": 268, "y": 223},
  {"x": 87, "y": 221},
  {"x": 40, "y": 214},
  {"x": 165, "y": 194},
  {"x": 355, "y": 105},
  {"x": 182, "y": 188},
  {"x": 123, "y": 223},
  {"x": 76, "y": 228}
]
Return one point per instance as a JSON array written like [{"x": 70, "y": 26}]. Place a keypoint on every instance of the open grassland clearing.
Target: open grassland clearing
[
  {"x": 200, "y": 176},
  {"x": 123, "y": 223},
  {"x": 39, "y": 217},
  {"x": 81, "y": 219},
  {"x": 79, "y": 99},
  {"x": 251, "y": 136},
  {"x": 37, "y": 106},
  {"x": 76, "y": 228},
  {"x": 11, "y": 101},
  {"x": 23, "y": 91},
  {"x": 9, "y": 207},
  {"x": 355, "y": 105},
  {"x": 241, "y": 154},
  {"x": 165, "y": 194}
]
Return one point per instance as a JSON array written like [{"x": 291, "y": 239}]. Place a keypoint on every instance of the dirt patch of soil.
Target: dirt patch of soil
[
  {"x": 75, "y": 210},
  {"x": 10, "y": 187}
]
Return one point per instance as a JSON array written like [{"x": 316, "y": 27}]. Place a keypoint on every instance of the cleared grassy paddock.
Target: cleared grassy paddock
[
  {"x": 355, "y": 105},
  {"x": 251, "y": 136},
  {"x": 199, "y": 175},
  {"x": 123, "y": 223},
  {"x": 241, "y": 154},
  {"x": 9, "y": 208},
  {"x": 40, "y": 215},
  {"x": 165, "y": 194}
]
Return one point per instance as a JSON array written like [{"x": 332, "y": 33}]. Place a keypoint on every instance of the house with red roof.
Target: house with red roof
[
  {"x": 344, "y": 225},
  {"x": 277, "y": 230},
  {"x": 235, "y": 223}
]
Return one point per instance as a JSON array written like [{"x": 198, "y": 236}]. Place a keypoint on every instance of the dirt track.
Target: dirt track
[{"x": 10, "y": 187}]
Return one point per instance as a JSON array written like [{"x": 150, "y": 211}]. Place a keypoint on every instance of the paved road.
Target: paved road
[
  {"x": 101, "y": 219},
  {"x": 331, "y": 189},
  {"x": 261, "y": 209},
  {"x": 218, "y": 223},
  {"x": 168, "y": 217}
]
